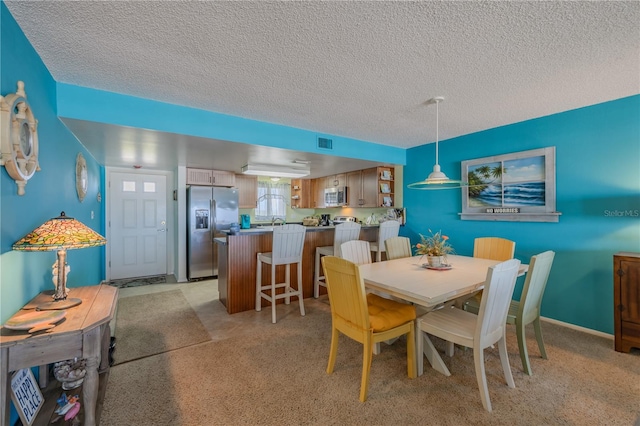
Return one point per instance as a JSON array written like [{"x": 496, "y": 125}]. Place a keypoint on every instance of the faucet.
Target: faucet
[{"x": 275, "y": 219}]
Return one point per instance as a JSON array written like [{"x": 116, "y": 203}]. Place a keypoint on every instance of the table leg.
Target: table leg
[
  {"x": 433, "y": 356},
  {"x": 91, "y": 348},
  {"x": 5, "y": 385}
]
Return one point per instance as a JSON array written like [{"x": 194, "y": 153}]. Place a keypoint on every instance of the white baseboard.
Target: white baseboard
[{"x": 577, "y": 327}]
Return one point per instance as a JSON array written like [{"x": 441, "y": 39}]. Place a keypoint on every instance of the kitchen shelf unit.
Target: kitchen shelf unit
[
  {"x": 301, "y": 194},
  {"x": 385, "y": 186}
]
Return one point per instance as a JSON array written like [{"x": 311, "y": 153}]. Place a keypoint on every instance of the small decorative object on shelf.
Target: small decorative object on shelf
[
  {"x": 70, "y": 372},
  {"x": 435, "y": 247},
  {"x": 67, "y": 407}
]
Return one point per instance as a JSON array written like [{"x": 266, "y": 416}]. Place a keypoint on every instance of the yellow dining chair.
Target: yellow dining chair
[
  {"x": 365, "y": 318},
  {"x": 477, "y": 331},
  {"x": 494, "y": 248},
  {"x": 527, "y": 310},
  {"x": 397, "y": 247}
]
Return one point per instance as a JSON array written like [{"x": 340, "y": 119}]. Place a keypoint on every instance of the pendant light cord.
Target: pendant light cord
[{"x": 437, "y": 126}]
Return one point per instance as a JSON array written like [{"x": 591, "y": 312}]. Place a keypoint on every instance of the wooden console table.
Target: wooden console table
[{"x": 83, "y": 333}]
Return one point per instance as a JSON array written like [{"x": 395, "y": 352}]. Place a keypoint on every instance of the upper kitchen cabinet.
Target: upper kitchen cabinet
[
  {"x": 210, "y": 177},
  {"x": 247, "y": 191},
  {"x": 386, "y": 187},
  {"x": 336, "y": 180},
  {"x": 301, "y": 194},
  {"x": 363, "y": 188},
  {"x": 317, "y": 189}
]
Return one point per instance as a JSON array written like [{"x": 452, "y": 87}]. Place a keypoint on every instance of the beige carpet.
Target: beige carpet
[
  {"x": 274, "y": 374},
  {"x": 155, "y": 323}
]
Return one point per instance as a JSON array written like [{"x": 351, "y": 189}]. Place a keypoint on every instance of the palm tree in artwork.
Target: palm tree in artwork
[{"x": 483, "y": 176}]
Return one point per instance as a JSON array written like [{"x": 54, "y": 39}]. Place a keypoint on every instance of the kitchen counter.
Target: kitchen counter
[
  {"x": 237, "y": 261},
  {"x": 268, "y": 228}
]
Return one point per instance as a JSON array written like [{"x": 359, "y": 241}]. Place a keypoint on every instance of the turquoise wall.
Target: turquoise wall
[
  {"x": 83, "y": 103},
  {"x": 50, "y": 191},
  {"x": 597, "y": 175}
]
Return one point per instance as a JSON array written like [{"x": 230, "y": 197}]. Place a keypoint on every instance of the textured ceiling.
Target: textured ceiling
[{"x": 357, "y": 69}]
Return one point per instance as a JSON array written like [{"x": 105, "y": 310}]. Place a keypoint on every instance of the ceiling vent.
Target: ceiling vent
[{"x": 325, "y": 143}]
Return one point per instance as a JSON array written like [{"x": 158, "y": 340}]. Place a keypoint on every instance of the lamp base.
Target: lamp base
[{"x": 69, "y": 302}]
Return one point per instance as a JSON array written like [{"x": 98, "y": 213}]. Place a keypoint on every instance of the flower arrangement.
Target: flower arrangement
[{"x": 434, "y": 245}]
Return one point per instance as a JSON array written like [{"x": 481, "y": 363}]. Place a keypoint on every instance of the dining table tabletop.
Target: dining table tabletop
[{"x": 411, "y": 280}]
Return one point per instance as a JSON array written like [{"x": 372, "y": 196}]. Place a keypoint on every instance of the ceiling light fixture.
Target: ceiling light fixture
[
  {"x": 275, "y": 170},
  {"x": 436, "y": 179}
]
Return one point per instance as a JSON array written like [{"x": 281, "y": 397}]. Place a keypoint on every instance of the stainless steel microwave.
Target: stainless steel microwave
[{"x": 336, "y": 196}]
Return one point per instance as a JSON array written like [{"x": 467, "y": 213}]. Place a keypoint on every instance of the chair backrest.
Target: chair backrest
[
  {"x": 397, "y": 247},
  {"x": 534, "y": 284},
  {"x": 494, "y": 248},
  {"x": 356, "y": 251},
  {"x": 347, "y": 295},
  {"x": 344, "y": 232},
  {"x": 496, "y": 298},
  {"x": 387, "y": 229},
  {"x": 288, "y": 242}
]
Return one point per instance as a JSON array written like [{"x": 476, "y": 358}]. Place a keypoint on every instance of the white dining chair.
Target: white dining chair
[
  {"x": 387, "y": 229},
  {"x": 457, "y": 326},
  {"x": 356, "y": 251},
  {"x": 527, "y": 310},
  {"x": 287, "y": 246},
  {"x": 343, "y": 232}
]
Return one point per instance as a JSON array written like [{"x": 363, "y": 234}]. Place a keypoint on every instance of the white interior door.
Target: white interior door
[{"x": 137, "y": 225}]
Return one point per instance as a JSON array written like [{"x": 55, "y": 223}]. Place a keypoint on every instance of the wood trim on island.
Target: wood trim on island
[{"x": 238, "y": 259}]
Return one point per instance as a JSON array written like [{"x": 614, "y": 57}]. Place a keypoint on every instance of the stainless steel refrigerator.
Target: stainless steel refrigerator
[{"x": 211, "y": 211}]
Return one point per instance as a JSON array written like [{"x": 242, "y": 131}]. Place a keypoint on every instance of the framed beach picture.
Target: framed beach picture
[{"x": 511, "y": 187}]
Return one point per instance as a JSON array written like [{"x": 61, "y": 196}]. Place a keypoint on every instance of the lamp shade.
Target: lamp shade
[{"x": 61, "y": 232}]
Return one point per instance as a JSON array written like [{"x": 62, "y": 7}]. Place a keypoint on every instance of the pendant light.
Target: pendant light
[{"x": 436, "y": 179}]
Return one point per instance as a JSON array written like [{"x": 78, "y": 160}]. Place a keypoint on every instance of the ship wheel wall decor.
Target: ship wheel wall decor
[{"x": 18, "y": 137}]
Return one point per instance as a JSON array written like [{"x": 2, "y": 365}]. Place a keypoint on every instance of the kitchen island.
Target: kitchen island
[{"x": 237, "y": 260}]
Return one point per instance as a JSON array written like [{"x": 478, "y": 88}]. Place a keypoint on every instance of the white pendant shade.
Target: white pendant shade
[{"x": 436, "y": 179}]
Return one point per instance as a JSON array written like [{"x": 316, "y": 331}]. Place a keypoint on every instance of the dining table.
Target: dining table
[{"x": 411, "y": 280}]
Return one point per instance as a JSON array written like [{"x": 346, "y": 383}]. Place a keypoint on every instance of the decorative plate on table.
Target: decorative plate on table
[
  {"x": 443, "y": 267},
  {"x": 35, "y": 321}
]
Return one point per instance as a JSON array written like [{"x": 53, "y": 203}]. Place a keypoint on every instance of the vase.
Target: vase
[{"x": 435, "y": 261}]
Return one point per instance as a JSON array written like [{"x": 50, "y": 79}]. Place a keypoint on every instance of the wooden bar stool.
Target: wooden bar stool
[
  {"x": 288, "y": 242},
  {"x": 344, "y": 232}
]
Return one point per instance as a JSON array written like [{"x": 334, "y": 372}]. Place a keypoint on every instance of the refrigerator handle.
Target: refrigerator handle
[{"x": 213, "y": 218}]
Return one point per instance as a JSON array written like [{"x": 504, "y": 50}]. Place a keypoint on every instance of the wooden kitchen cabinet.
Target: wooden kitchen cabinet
[
  {"x": 301, "y": 194},
  {"x": 199, "y": 177},
  {"x": 247, "y": 191},
  {"x": 363, "y": 188},
  {"x": 317, "y": 188},
  {"x": 626, "y": 300},
  {"x": 336, "y": 180},
  {"x": 210, "y": 177},
  {"x": 354, "y": 185}
]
